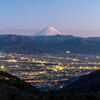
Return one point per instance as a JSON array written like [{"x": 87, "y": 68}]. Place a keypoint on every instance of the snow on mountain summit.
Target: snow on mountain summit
[{"x": 47, "y": 32}]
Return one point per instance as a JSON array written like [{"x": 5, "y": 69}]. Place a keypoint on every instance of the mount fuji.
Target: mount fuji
[{"x": 47, "y": 32}]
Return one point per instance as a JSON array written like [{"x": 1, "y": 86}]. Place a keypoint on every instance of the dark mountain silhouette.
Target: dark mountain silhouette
[
  {"x": 49, "y": 44},
  {"x": 13, "y": 88},
  {"x": 85, "y": 84}
]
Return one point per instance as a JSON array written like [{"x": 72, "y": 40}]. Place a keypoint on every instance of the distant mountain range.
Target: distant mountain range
[{"x": 49, "y": 44}]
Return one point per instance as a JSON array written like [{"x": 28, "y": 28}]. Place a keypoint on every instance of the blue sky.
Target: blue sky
[{"x": 76, "y": 17}]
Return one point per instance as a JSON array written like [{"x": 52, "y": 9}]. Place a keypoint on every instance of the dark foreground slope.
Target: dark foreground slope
[
  {"x": 85, "y": 88},
  {"x": 86, "y": 84},
  {"x": 12, "y": 88},
  {"x": 49, "y": 44}
]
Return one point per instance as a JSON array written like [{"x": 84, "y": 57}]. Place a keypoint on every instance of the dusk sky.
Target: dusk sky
[{"x": 71, "y": 17}]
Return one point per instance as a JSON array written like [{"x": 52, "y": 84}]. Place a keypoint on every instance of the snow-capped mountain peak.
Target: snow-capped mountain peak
[{"x": 47, "y": 32}]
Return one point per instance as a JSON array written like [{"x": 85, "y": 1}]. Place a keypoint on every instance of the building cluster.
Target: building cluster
[{"x": 48, "y": 70}]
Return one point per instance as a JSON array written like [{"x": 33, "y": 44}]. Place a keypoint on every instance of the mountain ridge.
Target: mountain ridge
[{"x": 49, "y": 44}]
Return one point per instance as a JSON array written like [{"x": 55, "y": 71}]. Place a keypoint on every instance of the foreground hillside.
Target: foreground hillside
[
  {"x": 86, "y": 84},
  {"x": 85, "y": 88},
  {"x": 12, "y": 88},
  {"x": 49, "y": 44}
]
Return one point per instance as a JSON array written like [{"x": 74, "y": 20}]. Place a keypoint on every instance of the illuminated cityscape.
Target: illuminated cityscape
[{"x": 48, "y": 70}]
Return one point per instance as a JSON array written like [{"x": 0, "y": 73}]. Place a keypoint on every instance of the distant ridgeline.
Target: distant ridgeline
[{"x": 49, "y": 44}]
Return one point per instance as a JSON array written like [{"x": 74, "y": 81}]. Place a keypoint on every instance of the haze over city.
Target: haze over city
[{"x": 70, "y": 17}]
